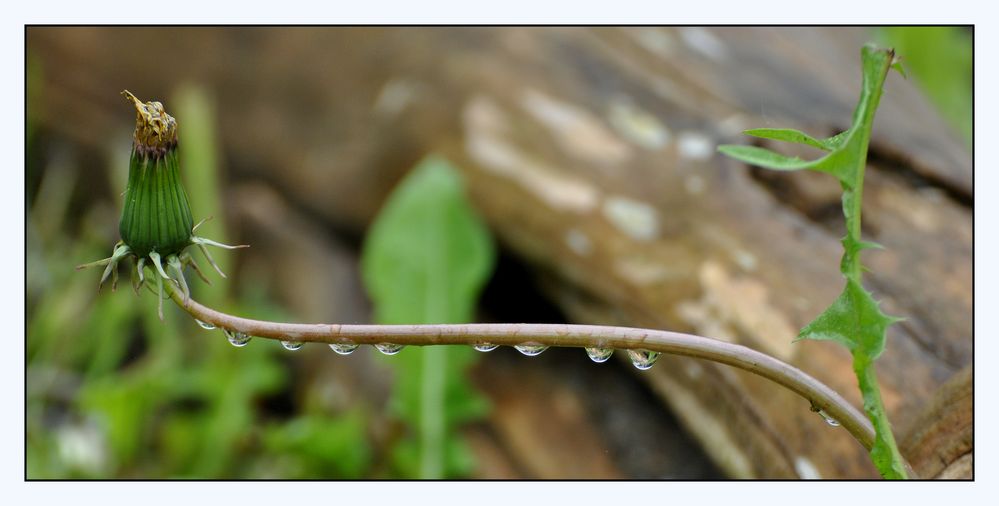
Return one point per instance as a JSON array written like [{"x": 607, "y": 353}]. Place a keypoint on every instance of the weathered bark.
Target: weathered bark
[
  {"x": 940, "y": 441},
  {"x": 590, "y": 152}
]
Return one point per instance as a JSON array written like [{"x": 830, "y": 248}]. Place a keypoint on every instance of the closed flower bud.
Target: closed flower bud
[
  {"x": 156, "y": 224},
  {"x": 156, "y": 216}
]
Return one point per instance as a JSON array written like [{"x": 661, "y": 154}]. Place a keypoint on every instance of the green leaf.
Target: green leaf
[
  {"x": 789, "y": 135},
  {"x": 763, "y": 157},
  {"x": 425, "y": 260},
  {"x": 428, "y": 254},
  {"x": 854, "y": 318},
  {"x": 832, "y": 163}
]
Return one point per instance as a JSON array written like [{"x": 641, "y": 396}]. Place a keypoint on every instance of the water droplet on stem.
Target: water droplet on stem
[
  {"x": 643, "y": 359},
  {"x": 389, "y": 348},
  {"x": 205, "y": 325},
  {"x": 531, "y": 349},
  {"x": 830, "y": 420},
  {"x": 484, "y": 347},
  {"x": 236, "y": 338},
  {"x": 599, "y": 355},
  {"x": 292, "y": 345},
  {"x": 343, "y": 348}
]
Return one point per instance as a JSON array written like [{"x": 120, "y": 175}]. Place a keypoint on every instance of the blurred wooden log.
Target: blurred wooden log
[
  {"x": 591, "y": 153},
  {"x": 939, "y": 441}
]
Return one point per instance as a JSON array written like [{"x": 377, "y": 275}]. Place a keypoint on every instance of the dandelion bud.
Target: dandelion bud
[
  {"x": 156, "y": 223},
  {"x": 156, "y": 216}
]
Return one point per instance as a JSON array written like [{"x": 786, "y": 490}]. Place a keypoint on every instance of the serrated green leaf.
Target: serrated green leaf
[
  {"x": 854, "y": 320},
  {"x": 788, "y": 135},
  {"x": 425, "y": 260}
]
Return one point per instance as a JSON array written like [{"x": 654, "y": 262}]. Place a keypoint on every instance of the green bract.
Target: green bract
[
  {"x": 156, "y": 223},
  {"x": 855, "y": 318}
]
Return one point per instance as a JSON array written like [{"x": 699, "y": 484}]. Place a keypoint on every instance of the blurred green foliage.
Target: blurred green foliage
[
  {"x": 425, "y": 260},
  {"x": 113, "y": 392},
  {"x": 939, "y": 58}
]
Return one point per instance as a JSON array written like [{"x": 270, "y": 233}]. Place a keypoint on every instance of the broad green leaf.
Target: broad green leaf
[
  {"x": 427, "y": 255},
  {"x": 425, "y": 260},
  {"x": 789, "y": 135}
]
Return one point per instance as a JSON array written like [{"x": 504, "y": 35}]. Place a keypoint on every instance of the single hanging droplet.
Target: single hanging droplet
[
  {"x": 343, "y": 348},
  {"x": 531, "y": 349},
  {"x": 389, "y": 348},
  {"x": 484, "y": 347},
  {"x": 292, "y": 345},
  {"x": 205, "y": 325},
  {"x": 599, "y": 355},
  {"x": 237, "y": 339},
  {"x": 643, "y": 359},
  {"x": 830, "y": 420}
]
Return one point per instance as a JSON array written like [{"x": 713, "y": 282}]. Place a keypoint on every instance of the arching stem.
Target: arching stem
[{"x": 820, "y": 396}]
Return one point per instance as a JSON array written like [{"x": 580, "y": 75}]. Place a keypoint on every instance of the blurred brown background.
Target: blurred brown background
[{"x": 591, "y": 155}]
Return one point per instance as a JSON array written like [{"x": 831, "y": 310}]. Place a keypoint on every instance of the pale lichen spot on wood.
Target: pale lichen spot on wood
[
  {"x": 739, "y": 303},
  {"x": 704, "y": 42},
  {"x": 578, "y": 242},
  {"x": 703, "y": 318},
  {"x": 637, "y": 125},
  {"x": 695, "y": 146},
  {"x": 638, "y": 220},
  {"x": 482, "y": 114},
  {"x": 744, "y": 259},
  {"x": 641, "y": 270},
  {"x": 694, "y": 184},
  {"x": 655, "y": 40},
  {"x": 694, "y": 370},
  {"x": 733, "y": 125},
  {"x": 577, "y": 131},
  {"x": 805, "y": 469},
  {"x": 394, "y": 97},
  {"x": 485, "y": 141}
]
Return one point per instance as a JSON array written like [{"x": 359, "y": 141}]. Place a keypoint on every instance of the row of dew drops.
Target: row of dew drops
[{"x": 641, "y": 359}]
